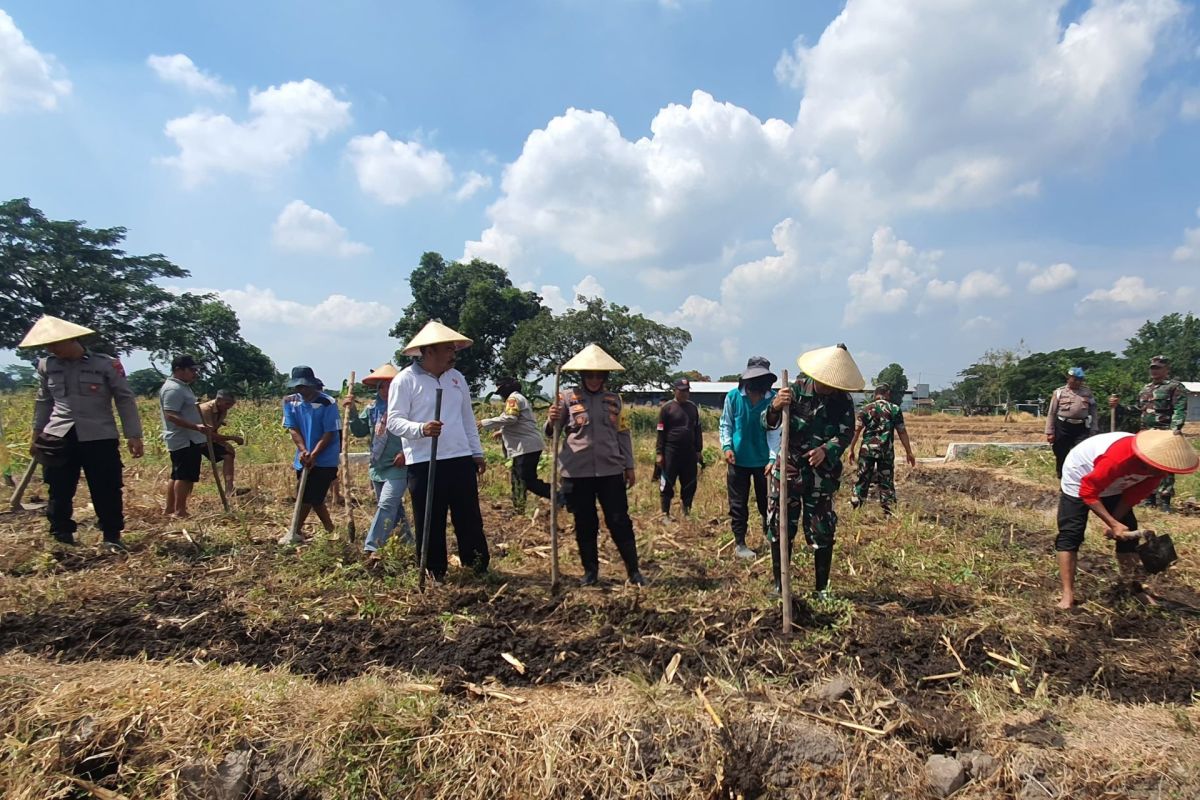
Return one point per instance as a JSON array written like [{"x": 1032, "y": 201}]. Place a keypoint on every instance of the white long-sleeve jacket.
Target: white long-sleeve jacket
[{"x": 411, "y": 404}]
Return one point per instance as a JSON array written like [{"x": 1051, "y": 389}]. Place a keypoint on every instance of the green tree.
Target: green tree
[
  {"x": 475, "y": 298},
  {"x": 15, "y": 377},
  {"x": 205, "y": 327},
  {"x": 733, "y": 376},
  {"x": 1176, "y": 336},
  {"x": 646, "y": 349},
  {"x": 146, "y": 382},
  {"x": 893, "y": 375},
  {"x": 63, "y": 268},
  {"x": 691, "y": 374}
]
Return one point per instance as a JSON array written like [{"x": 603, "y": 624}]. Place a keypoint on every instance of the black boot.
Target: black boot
[
  {"x": 591, "y": 576},
  {"x": 775, "y": 567},
  {"x": 1164, "y": 505},
  {"x": 822, "y": 564},
  {"x": 629, "y": 555}
]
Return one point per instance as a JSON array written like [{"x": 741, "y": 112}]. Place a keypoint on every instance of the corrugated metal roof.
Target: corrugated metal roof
[{"x": 1193, "y": 387}]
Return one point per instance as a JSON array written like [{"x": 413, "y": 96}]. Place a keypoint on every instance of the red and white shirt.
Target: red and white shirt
[{"x": 1106, "y": 466}]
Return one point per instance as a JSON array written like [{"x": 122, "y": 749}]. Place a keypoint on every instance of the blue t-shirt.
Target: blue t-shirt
[{"x": 313, "y": 420}]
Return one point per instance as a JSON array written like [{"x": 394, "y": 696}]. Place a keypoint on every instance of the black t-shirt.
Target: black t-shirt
[{"x": 679, "y": 427}]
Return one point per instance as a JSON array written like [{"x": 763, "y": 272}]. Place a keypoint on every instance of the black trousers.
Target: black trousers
[
  {"x": 1073, "y": 518},
  {"x": 610, "y": 492},
  {"x": 737, "y": 483},
  {"x": 100, "y": 462},
  {"x": 678, "y": 463},
  {"x": 1066, "y": 436},
  {"x": 455, "y": 489},
  {"x": 524, "y": 477}
]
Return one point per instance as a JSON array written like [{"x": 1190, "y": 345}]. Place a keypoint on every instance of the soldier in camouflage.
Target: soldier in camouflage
[
  {"x": 822, "y": 424},
  {"x": 879, "y": 423},
  {"x": 1163, "y": 406}
]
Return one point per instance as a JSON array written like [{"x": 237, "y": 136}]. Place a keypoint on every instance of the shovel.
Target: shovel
[
  {"x": 784, "y": 532},
  {"x": 1157, "y": 552},
  {"x": 19, "y": 492},
  {"x": 554, "y": 585}
]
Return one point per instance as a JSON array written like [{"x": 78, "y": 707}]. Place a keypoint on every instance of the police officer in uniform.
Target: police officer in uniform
[
  {"x": 596, "y": 462},
  {"x": 1071, "y": 417},
  {"x": 74, "y": 429}
]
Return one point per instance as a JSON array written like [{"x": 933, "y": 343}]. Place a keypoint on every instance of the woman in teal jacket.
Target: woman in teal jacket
[{"x": 389, "y": 473}]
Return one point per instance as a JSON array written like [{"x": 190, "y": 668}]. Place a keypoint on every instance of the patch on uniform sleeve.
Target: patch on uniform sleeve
[
  {"x": 511, "y": 407},
  {"x": 118, "y": 367},
  {"x": 661, "y": 426}
]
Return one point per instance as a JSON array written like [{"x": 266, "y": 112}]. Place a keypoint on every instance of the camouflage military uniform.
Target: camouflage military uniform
[
  {"x": 880, "y": 421},
  {"x": 816, "y": 421},
  {"x": 1163, "y": 406}
]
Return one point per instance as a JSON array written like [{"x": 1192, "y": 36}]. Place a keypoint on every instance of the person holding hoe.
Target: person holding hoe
[
  {"x": 74, "y": 429},
  {"x": 214, "y": 413},
  {"x": 413, "y": 415},
  {"x": 596, "y": 461},
  {"x": 312, "y": 419},
  {"x": 748, "y": 447},
  {"x": 388, "y": 470},
  {"x": 822, "y": 424},
  {"x": 1108, "y": 475},
  {"x": 522, "y": 440}
]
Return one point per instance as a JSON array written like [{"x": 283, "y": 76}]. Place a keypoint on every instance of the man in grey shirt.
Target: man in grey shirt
[
  {"x": 522, "y": 442},
  {"x": 184, "y": 431}
]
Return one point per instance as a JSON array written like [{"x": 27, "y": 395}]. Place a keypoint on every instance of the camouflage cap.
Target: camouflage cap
[{"x": 1160, "y": 361}]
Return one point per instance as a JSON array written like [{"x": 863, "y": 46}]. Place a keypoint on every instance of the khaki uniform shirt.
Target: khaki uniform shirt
[
  {"x": 1073, "y": 404},
  {"x": 596, "y": 441},
  {"x": 80, "y": 394},
  {"x": 518, "y": 428},
  {"x": 213, "y": 417}
]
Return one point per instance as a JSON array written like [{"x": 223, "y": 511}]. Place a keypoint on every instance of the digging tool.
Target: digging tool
[
  {"x": 350, "y": 532},
  {"x": 22, "y": 485},
  {"x": 437, "y": 417},
  {"x": 294, "y": 530},
  {"x": 1157, "y": 551},
  {"x": 554, "y": 490},
  {"x": 212, "y": 461},
  {"x": 784, "y": 533},
  {"x": 1112, "y": 417}
]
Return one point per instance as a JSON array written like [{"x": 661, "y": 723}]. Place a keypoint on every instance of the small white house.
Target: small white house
[{"x": 1193, "y": 400}]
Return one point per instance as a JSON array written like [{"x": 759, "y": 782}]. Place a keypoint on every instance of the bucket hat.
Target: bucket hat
[
  {"x": 303, "y": 376},
  {"x": 1076, "y": 372},
  {"x": 757, "y": 367}
]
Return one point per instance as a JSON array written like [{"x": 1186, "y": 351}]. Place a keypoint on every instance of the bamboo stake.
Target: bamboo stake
[
  {"x": 1112, "y": 416},
  {"x": 212, "y": 462},
  {"x": 346, "y": 482},
  {"x": 554, "y": 578},
  {"x": 437, "y": 417},
  {"x": 784, "y": 529}
]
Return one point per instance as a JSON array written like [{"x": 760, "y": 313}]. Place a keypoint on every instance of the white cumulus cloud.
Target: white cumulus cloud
[
  {"x": 472, "y": 184},
  {"x": 300, "y": 228},
  {"x": 1129, "y": 291},
  {"x": 394, "y": 171},
  {"x": 1053, "y": 278},
  {"x": 895, "y": 267},
  {"x": 283, "y": 122},
  {"x": 1189, "y": 251},
  {"x": 28, "y": 78},
  {"x": 335, "y": 313},
  {"x": 178, "y": 69}
]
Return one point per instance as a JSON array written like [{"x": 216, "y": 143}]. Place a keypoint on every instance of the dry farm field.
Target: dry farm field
[{"x": 211, "y": 663}]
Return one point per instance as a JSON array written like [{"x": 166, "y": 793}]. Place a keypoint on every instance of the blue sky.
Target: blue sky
[{"x": 922, "y": 180}]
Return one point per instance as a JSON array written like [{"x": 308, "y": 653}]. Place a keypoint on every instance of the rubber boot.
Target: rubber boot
[
  {"x": 628, "y": 551},
  {"x": 1164, "y": 505},
  {"x": 775, "y": 568},
  {"x": 822, "y": 564}
]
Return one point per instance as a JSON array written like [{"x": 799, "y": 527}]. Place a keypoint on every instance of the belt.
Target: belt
[{"x": 1072, "y": 421}]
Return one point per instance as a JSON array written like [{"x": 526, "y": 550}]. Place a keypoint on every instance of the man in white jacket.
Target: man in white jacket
[{"x": 410, "y": 415}]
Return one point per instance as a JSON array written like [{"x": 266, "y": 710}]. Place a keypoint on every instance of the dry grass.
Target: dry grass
[{"x": 145, "y": 672}]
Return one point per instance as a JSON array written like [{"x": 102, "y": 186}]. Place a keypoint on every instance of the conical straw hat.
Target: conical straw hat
[
  {"x": 1166, "y": 450},
  {"x": 435, "y": 332},
  {"x": 49, "y": 330},
  {"x": 593, "y": 359},
  {"x": 381, "y": 373},
  {"x": 834, "y": 367}
]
